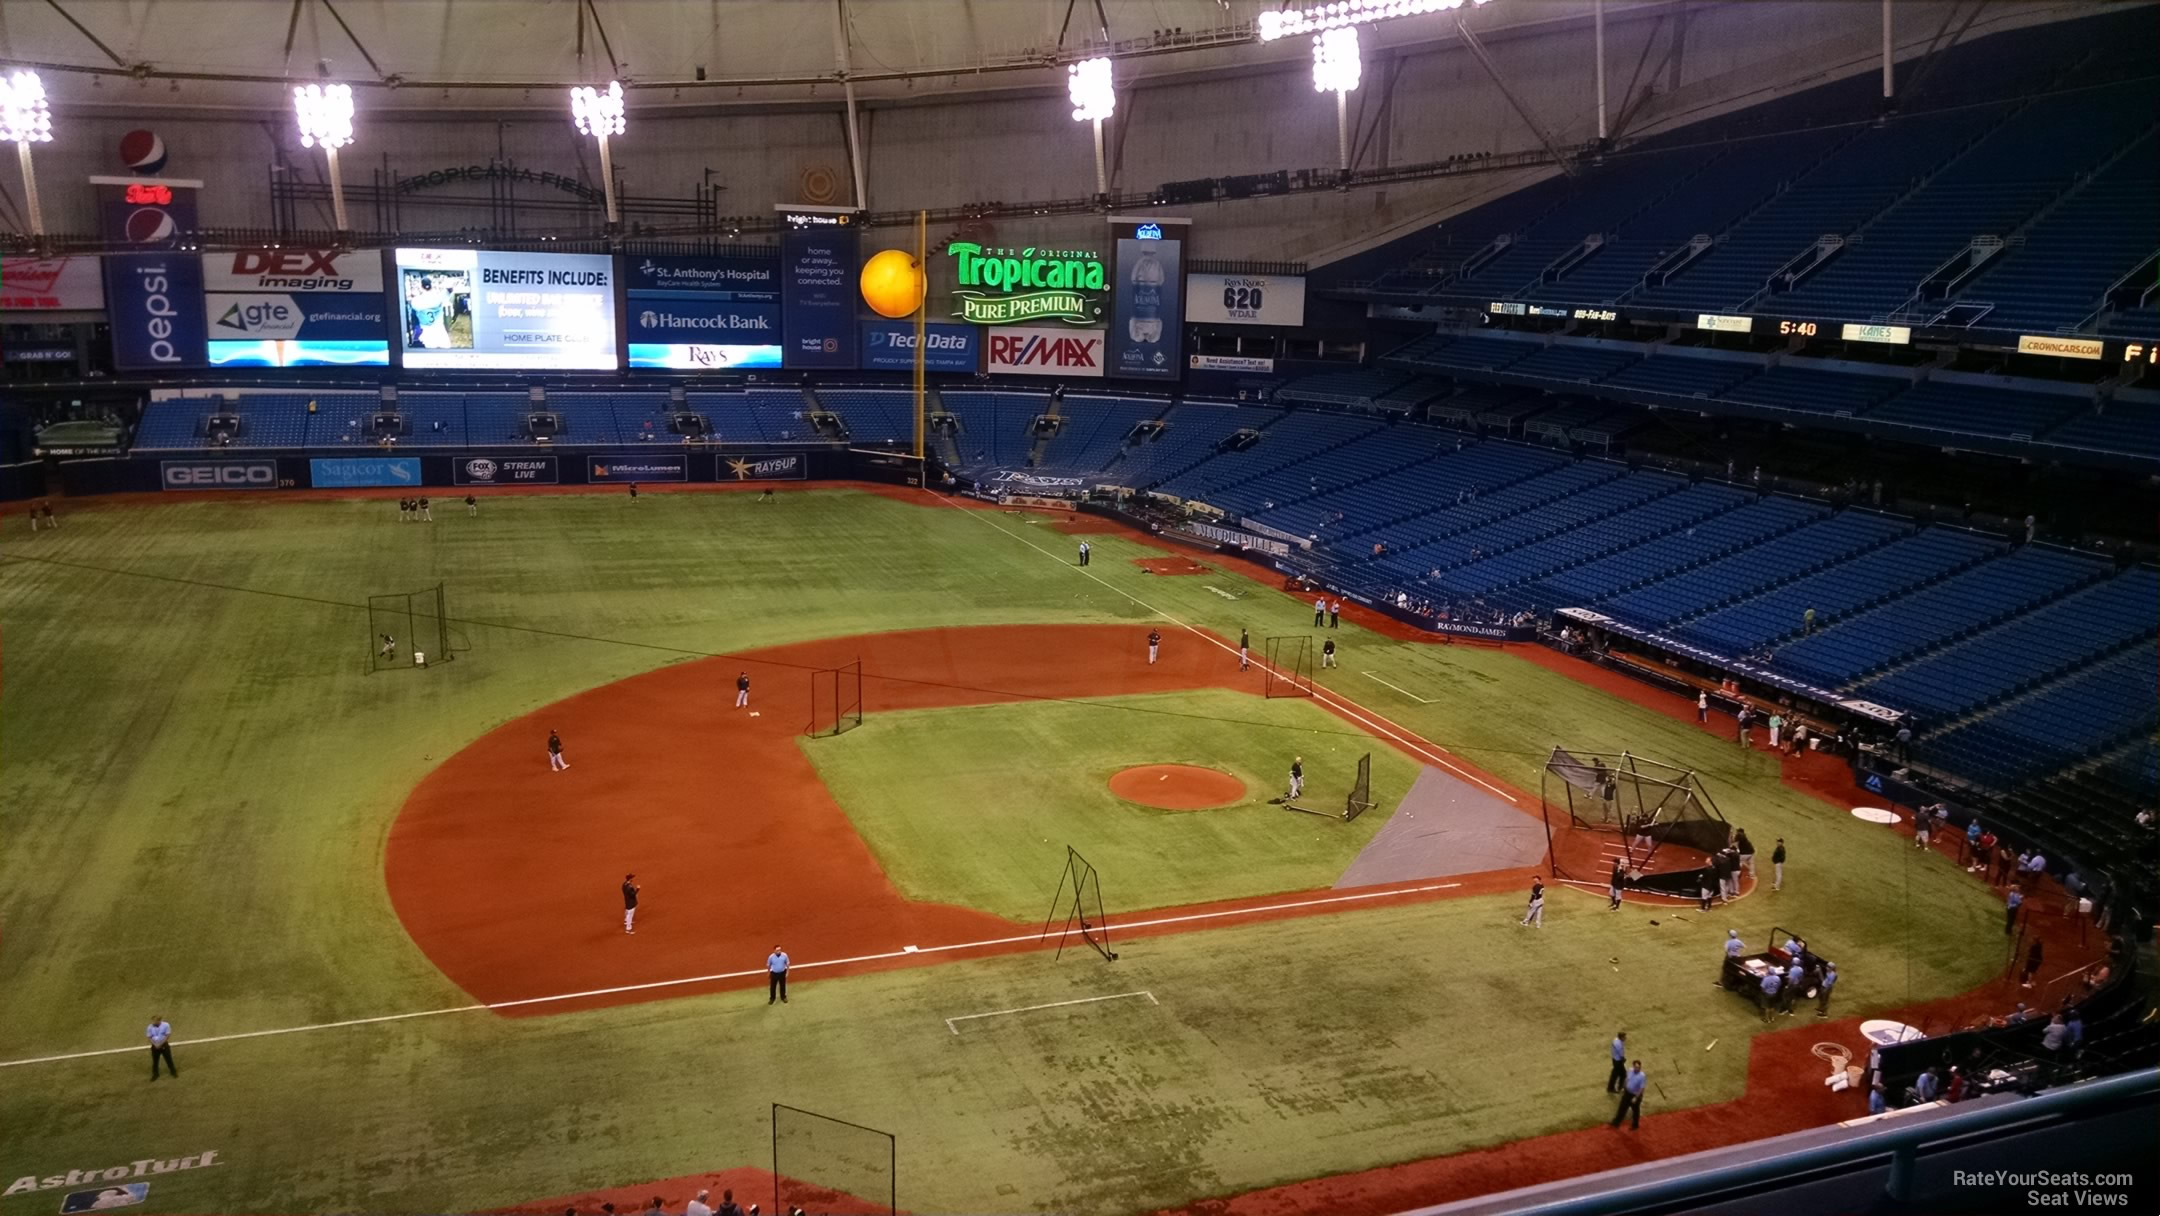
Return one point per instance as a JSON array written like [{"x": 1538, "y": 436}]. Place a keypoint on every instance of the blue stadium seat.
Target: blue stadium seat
[{"x": 1852, "y": 586}]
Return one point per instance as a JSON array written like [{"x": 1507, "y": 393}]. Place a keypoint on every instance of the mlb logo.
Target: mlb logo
[{"x": 105, "y": 1198}]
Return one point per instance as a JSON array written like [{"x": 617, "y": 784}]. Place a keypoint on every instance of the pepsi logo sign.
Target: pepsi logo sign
[
  {"x": 150, "y": 225},
  {"x": 142, "y": 151}
]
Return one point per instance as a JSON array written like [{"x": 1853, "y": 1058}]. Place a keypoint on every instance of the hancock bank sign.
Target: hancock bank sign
[{"x": 1010, "y": 286}]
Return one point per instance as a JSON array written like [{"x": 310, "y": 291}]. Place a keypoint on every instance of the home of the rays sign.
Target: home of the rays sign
[{"x": 1009, "y": 286}]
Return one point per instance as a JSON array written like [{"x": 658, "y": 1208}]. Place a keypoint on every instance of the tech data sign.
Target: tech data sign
[
  {"x": 1011, "y": 286},
  {"x": 1045, "y": 352}
]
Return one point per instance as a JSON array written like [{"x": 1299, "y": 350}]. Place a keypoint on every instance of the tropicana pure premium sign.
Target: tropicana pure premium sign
[{"x": 1010, "y": 286}]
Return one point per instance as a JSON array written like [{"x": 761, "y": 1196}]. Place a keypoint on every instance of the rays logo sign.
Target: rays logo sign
[
  {"x": 1010, "y": 286},
  {"x": 765, "y": 468}
]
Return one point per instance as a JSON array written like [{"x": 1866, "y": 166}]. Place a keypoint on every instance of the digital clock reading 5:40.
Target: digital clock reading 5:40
[{"x": 1804, "y": 329}]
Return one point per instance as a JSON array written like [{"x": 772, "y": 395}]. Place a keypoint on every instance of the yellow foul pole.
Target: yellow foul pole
[{"x": 922, "y": 308}]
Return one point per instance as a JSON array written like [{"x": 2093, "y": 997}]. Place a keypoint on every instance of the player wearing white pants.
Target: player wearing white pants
[
  {"x": 1536, "y": 914},
  {"x": 1297, "y": 776},
  {"x": 1327, "y": 653},
  {"x": 629, "y": 902},
  {"x": 1154, "y": 645},
  {"x": 742, "y": 690},
  {"x": 556, "y": 763}
]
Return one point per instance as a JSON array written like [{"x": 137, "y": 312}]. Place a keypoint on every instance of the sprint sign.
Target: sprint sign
[{"x": 1021, "y": 351}]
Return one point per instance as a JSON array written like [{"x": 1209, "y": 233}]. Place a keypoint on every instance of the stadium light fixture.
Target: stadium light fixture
[
  {"x": 1314, "y": 18},
  {"x": 325, "y": 112},
  {"x": 1337, "y": 68},
  {"x": 599, "y": 113},
  {"x": 25, "y": 119},
  {"x": 1094, "y": 98}
]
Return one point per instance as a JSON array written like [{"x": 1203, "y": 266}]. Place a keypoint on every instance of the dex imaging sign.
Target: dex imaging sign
[{"x": 296, "y": 308}]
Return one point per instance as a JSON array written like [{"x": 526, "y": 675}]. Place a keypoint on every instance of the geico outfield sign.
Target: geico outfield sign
[
  {"x": 218, "y": 474},
  {"x": 145, "y": 1168},
  {"x": 1007, "y": 286}
]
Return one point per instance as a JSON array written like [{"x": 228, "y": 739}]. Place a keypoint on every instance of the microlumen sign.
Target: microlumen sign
[{"x": 1010, "y": 286}]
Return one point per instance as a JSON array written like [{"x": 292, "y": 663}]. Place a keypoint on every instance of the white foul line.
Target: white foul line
[
  {"x": 1084, "y": 1000},
  {"x": 1398, "y": 688},
  {"x": 1350, "y": 709},
  {"x": 904, "y": 952}
]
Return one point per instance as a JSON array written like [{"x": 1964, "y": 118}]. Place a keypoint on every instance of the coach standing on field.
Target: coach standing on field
[
  {"x": 776, "y": 965},
  {"x": 1631, "y": 1091},
  {"x": 160, "y": 1036},
  {"x": 1619, "y": 1063}
]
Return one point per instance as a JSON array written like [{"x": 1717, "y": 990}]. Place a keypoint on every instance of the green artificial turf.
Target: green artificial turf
[
  {"x": 197, "y": 775},
  {"x": 958, "y": 804}
]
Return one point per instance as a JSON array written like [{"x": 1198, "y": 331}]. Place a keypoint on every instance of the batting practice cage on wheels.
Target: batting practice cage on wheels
[
  {"x": 1356, "y": 803},
  {"x": 1288, "y": 670},
  {"x": 408, "y": 629},
  {"x": 1647, "y": 805},
  {"x": 1078, "y": 898},
  {"x": 835, "y": 699},
  {"x": 823, "y": 1164}
]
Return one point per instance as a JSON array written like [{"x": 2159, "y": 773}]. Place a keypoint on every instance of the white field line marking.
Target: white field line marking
[
  {"x": 903, "y": 952},
  {"x": 1084, "y": 1000},
  {"x": 1398, "y": 688},
  {"x": 1355, "y": 712}
]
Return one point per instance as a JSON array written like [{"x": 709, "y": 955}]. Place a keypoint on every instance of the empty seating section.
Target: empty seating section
[
  {"x": 2056, "y": 725},
  {"x": 1095, "y": 428},
  {"x": 586, "y": 417},
  {"x": 1479, "y": 504},
  {"x": 2126, "y": 425},
  {"x": 497, "y": 418},
  {"x": 1849, "y": 587},
  {"x": 1847, "y": 189},
  {"x": 872, "y": 415},
  {"x": 1414, "y": 490},
  {"x": 1976, "y": 410},
  {"x": 1486, "y": 354},
  {"x": 1866, "y": 643},
  {"x": 1351, "y": 462},
  {"x": 1740, "y": 523},
  {"x": 782, "y": 414},
  {"x": 1597, "y": 203},
  {"x": 2046, "y": 642},
  {"x": 435, "y": 420},
  {"x": 2053, "y": 278},
  {"x": 1190, "y": 435},
  {"x": 1676, "y": 506},
  {"x": 996, "y": 428},
  {"x": 1287, "y": 447},
  {"x": 729, "y": 415},
  {"x": 1989, "y": 191},
  {"x": 1583, "y": 364},
  {"x": 1564, "y": 499},
  {"x": 1813, "y": 543},
  {"x": 1741, "y": 178},
  {"x": 1682, "y": 376},
  {"x": 1808, "y": 390},
  {"x": 1361, "y": 387}
]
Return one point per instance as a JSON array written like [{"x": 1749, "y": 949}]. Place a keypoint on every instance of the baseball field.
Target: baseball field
[{"x": 389, "y": 938}]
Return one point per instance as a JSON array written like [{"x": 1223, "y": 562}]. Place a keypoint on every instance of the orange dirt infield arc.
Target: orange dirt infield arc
[{"x": 1177, "y": 787}]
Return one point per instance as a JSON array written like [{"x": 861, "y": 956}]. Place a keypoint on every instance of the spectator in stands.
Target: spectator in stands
[
  {"x": 1972, "y": 838},
  {"x": 2035, "y": 868},
  {"x": 728, "y": 1206},
  {"x": 1799, "y": 738},
  {"x": 2011, "y": 904},
  {"x": 1746, "y": 718},
  {"x": 2005, "y": 862},
  {"x": 2057, "y": 1038},
  {"x": 698, "y": 1206},
  {"x": 1777, "y": 728},
  {"x": 1807, "y": 621},
  {"x": 2028, "y": 529},
  {"x": 1921, "y": 822},
  {"x": 2033, "y": 958},
  {"x": 1983, "y": 852},
  {"x": 1926, "y": 1087},
  {"x": 1702, "y": 705},
  {"x": 1877, "y": 1102},
  {"x": 1904, "y": 743},
  {"x": 1956, "y": 1090}
]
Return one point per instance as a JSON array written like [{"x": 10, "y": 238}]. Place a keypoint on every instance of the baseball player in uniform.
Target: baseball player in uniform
[
  {"x": 629, "y": 903},
  {"x": 1244, "y": 650},
  {"x": 742, "y": 689},
  {"x": 1327, "y": 653},
  {"x": 1297, "y": 776},
  {"x": 1536, "y": 913},
  {"x": 1154, "y": 645},
  {"x": 556, "y": 763}
]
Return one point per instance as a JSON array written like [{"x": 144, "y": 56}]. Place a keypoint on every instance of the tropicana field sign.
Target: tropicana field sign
[{"x": 1009, "y": 286}]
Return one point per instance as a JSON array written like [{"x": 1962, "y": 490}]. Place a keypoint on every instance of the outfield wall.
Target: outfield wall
[{"x": 458, "y": 473}]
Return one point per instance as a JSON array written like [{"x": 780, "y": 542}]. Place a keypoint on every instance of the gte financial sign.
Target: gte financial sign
[
  {"x": 1009, "y": 286},
  {"x": 1046, "y": 352}
]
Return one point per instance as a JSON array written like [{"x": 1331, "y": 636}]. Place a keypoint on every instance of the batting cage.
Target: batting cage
[
  {"x": 1289, "y": 665},
  {"x": 1356, "y": 803},
  {"x": 835, "y": 699},
  {"x": 408, "y": 629},
  {"x": 1078, "y": 908},
  {"x": 823, "y": 1164},
  {"x": 1646, "y": 804}
]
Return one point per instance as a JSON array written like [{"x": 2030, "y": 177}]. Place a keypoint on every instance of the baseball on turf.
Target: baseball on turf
[{"x": 753, "y": 713}]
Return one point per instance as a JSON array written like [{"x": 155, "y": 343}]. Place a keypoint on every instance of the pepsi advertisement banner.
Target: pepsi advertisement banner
[
  {"x": 1146, "y": 336},
  {"x": 146, "y": 212},
  {"x": 296, "y": 308},
  {"x": 351, "y": 472},
  {"x": 818, "y": 269},
  {"x": 890, "y": 346},
  {"x": 154, "y": 302},
  {"x": 706, "y": 314}
]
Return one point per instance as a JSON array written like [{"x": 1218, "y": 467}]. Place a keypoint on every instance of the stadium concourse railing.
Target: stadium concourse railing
[{"x": 1975, "y": 1156}]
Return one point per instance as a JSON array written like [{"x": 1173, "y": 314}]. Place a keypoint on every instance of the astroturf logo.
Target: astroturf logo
[
  {"x": 145, "y": 1168},
  {"x": 1006, "y": 286}
]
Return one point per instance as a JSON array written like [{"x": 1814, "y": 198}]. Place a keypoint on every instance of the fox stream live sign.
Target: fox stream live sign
[{"x": 1009, "y": 286}]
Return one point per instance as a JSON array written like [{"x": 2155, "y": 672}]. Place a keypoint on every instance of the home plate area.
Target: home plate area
[{"x": 1445, "y": 827}]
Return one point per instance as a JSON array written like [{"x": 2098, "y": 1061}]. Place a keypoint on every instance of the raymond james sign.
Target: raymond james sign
[{"x": 1007, "y": 286}]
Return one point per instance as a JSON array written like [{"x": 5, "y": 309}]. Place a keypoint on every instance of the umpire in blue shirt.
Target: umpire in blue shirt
[
  {"x": 1619, "y": 1063},
  {"x": 1631, "y": 1097}
]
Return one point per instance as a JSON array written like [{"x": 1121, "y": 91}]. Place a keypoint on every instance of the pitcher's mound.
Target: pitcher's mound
[{"x": 1177, "y": 787}]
